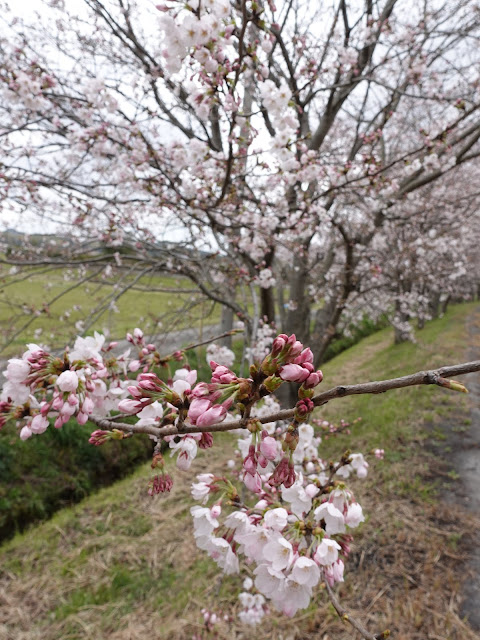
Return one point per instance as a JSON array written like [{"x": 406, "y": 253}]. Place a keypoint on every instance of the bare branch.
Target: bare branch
[
  {"x": 434, "y": 376},
  {"x": 347, "y": 617}
]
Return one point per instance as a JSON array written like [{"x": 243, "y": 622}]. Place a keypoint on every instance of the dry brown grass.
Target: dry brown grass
[{"x": 404, "y": 573}]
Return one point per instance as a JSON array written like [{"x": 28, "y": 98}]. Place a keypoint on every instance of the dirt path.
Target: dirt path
[{"x": 461, "y": 451}]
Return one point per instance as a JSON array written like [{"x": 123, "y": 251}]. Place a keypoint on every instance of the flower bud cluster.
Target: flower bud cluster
[
  {"x": 295, "y": 533},
  {"x": 41, "y": 386},
  {"x": 291, "y": 362}
]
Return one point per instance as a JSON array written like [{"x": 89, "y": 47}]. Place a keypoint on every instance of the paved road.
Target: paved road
[
  {"x": 466, "y": 461},
  {"x": 460, "y": 451}
]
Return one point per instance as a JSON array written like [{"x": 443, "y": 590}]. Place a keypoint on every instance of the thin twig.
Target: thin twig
[
  {"x": 232, "y": 332},
  {"x": 344, "y": 615}
]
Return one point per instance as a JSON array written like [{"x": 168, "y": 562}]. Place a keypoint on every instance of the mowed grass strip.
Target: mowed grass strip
[{"x": 124, "y": 566}]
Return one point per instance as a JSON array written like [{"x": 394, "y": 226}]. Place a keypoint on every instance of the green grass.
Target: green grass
[
  {"x": 401, "y": 419},
  {"x": 47, "y": 304},
  {"x": 121, "y": 558},
  {"x": 43, "y": 474}
]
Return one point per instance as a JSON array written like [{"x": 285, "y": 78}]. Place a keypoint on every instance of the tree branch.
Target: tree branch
[
  {"x": 344, "y": 615},
  {"x": 434, "y": 376}
]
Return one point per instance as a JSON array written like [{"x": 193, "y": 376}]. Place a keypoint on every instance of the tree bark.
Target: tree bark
[{"x": 226, "y": 324}]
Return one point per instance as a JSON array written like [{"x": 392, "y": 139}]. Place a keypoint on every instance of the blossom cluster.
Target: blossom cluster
[
  {"x": 90, "y": 382},
  {"x": 291, "y": 537}
]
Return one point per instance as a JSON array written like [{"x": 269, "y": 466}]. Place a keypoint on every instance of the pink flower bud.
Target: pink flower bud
[
  {"x": 279, "y": 344},
  {"x": 268, "y": 447},
  {"x": 293, "y": 373},
  {"x": 201, "y": 390},
  {"x": 88, "y": 405},
  {"x": 148, "y": 384},
  {"x": 296, "y": 349},
  {"x": 250, "y": 462},
  {"x": 305, "y": 356},
  {"x": 129, "y": 406},
  {"x": 57, "y": 403},
  {"x": 304, "y": 407},
  {"x": 198, "y": 407},
  {"x": 25, "y": 433},
  {"x": 135, "y": 392},
  {"x": 45, "y": 407},
  {"x": 134, "y": 365},
  {"x": 98, "y": 437},
  {"x": 67, "y": 410},
  {"x": 221, "y": 374},
  {"x": 253, "y": 483},
  {"x": 216, "y": 510},
  {"x": 39, "y": 424},
  {"x": 82, "y": 417},
  {"x": 216, "y": 414},
  {"x": 262, "y": 461},
  {"x": 313, "y": 379}
]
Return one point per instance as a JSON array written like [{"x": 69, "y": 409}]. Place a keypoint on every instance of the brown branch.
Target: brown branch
[
  {"x": 232, "y": 332},
  {"x": 434, "y": 376},
  {"x": 344, "y": 615}
]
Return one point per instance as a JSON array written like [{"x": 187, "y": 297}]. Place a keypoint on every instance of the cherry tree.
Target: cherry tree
[{"x": 277, "y": 142}]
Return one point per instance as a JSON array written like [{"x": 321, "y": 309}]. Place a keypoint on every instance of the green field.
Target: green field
[
  {"x": 124, "y": 566},
  {"x": 45, "y": 305}
]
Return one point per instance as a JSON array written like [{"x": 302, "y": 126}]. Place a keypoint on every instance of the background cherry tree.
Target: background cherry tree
[{"x": 287, "y": 150}]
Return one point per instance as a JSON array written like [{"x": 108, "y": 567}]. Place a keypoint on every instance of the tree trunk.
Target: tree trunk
[
  {"x": 444, "y": 304},
  {"x": 401, "y": 333},
  {"x": 281, "y": 306},
  {"x": 298, "y": 319},
  {"x": 267, "y": 305},
  {"x": 324, "y": 330},
  {"x": 434, "y": 304},
  {"x": 226, "y": 324}
]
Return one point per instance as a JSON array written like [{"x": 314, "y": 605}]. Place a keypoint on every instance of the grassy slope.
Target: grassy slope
[{"x": 124, "y": 566}]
